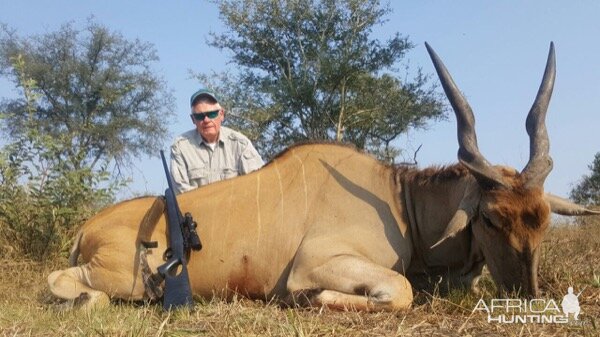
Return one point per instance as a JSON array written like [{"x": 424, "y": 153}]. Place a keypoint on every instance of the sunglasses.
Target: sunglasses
[{"x": 210, "y": 114}]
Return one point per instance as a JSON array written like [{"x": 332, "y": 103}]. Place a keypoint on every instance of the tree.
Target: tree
[
  {"x": 308, "y": 70},
  {"x": 88, "y": 102},
  {"x": 97, "y": 94},
  {"x": 588, "y": 190}
]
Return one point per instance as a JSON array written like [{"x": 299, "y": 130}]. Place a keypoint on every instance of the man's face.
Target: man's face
[{"x": 207, "y": 127}]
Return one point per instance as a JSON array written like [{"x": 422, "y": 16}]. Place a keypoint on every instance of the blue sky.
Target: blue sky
[{"x": 496, "y": 52}]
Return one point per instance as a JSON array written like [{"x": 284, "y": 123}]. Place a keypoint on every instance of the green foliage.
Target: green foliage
[
  {"x": 96, "y": 94},
  {"x": 88, "y": 106},
  {"x": 587, "y": 192},
  {"x": 41, "y": 198},
  {"x": 308, "y": 70}
]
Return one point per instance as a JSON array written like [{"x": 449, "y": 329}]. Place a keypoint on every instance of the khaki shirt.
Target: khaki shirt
[{"x": 194, "y": 163}]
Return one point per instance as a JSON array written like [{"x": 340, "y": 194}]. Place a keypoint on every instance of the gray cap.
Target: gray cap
[{"x": 201, "y": 92}]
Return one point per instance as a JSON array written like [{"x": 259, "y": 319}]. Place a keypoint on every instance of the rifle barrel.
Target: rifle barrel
[{"x": 167, "y": 171}]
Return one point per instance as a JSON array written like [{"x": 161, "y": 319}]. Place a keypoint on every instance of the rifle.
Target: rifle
[{"x": 182, "y": 237}]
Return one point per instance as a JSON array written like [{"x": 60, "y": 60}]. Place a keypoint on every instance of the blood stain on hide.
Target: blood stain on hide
[{"x": 242, "y": 281}]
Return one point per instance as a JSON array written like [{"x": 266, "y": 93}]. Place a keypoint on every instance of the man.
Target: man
[{"x": 210, "y": 152}]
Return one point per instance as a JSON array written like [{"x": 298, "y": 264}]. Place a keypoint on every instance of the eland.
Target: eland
[{"x": 325, "y": 225}]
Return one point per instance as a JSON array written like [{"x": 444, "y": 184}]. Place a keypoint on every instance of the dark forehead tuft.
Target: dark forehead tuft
[{"x": 522, "y": 208}]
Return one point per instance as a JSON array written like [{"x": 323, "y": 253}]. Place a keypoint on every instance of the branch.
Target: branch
[{"x": 414, "y": 163}]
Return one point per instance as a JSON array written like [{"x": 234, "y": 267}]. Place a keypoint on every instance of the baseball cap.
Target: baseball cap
[{"x": 203, "y": 91}]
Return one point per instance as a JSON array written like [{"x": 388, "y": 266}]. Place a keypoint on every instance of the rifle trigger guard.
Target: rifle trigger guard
[{"x": 168, "y": 254}]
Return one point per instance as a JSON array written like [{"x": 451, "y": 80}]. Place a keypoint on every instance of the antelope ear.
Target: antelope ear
[
  {"x": 563, "y": 206},
  {"x": 458, "y": 222},
  {"x": 463, "y": 214},
  {"x": 486, "y": 176}
]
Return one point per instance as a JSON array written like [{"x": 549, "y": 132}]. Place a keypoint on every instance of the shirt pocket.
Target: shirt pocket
[
  {"x": 251, "y": 160},
  {"x": 228, "y": 173},
  {"x": 199, "y": 175}
]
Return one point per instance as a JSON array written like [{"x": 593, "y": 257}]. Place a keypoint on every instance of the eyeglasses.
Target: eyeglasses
[{"x": 210, "y": 114}]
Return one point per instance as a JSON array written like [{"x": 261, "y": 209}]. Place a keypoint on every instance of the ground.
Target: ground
[{"x": 570, "y": 257}]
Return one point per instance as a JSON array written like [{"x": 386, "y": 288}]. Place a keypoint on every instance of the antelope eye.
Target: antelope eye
[{"x": 487, "y": 221}]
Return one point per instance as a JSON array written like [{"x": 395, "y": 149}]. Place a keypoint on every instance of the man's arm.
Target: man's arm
[
  {"x": 179, "y": 171},
  {"x": 250, "y": 160}
]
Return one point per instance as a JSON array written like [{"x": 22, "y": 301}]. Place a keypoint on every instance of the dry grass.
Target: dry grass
[{"x": 571, "y": 257}]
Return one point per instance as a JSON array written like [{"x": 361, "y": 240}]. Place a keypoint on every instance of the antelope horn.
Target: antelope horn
[
  {"x": 540, "y": 163},
  {"x": 468, "y": 152},
  {"x": 563, "y": 206}
]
